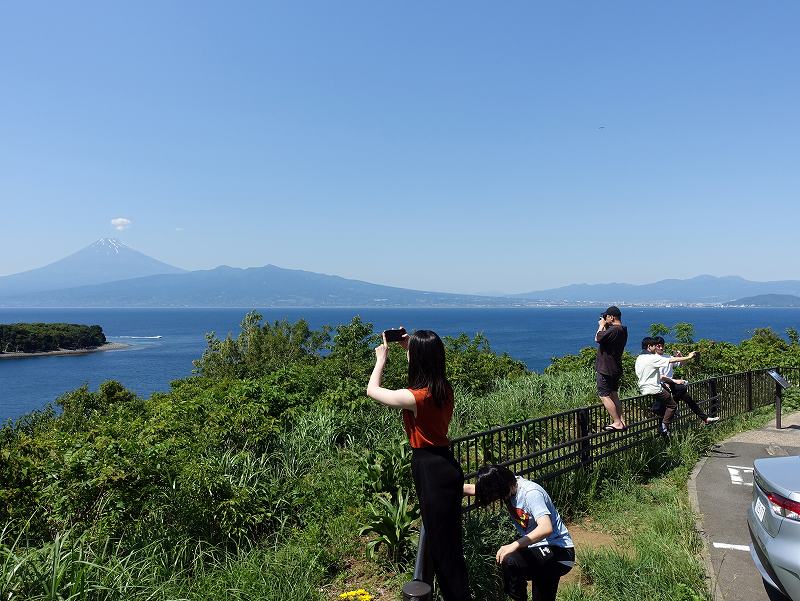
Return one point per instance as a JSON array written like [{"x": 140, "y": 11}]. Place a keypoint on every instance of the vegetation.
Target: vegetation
[
  {"x": 269, "y": 474},
  {"x": 43, "y": 337},
  {"x": 765, "y": 348}
]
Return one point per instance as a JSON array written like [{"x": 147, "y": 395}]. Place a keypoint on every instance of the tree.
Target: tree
[
  {"x": 684, "y": 332},
  {"x": 659, "y": 329}
]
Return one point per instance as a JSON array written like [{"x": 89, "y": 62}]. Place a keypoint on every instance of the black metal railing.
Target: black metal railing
[{"x": 547, "y": 447}]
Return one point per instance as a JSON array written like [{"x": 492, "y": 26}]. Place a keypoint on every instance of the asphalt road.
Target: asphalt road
[{"x": 724, "y": 487}]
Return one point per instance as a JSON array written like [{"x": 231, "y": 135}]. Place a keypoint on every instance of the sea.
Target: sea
[{"x": 162, "y": 343}]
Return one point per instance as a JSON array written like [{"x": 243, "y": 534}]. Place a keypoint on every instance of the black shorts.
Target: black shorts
[{"x": 607, "y": 384}]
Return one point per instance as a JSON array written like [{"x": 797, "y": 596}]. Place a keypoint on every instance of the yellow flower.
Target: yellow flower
[{"x": 357, "y": 595}]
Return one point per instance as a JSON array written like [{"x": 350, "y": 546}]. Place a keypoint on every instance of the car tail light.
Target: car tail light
[{"x": 784, "y": 507}]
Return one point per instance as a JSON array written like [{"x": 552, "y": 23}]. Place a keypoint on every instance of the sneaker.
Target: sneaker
[
  {"x": 711, "y": 420},
  {"x": 662, "y": 429}
]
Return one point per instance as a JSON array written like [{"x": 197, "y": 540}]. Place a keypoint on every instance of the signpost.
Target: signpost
[{"x": 781, "y": 383}]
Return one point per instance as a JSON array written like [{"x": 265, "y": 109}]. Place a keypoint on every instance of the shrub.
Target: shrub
[{"x": 391, "y": 521}]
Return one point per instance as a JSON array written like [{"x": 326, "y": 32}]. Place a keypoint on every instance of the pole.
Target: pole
[
  {"x": 778, "y": 402},
  {"x": 585, "y": 444},
  {"x": 419, "y": 589},
  {"x": 713, "y": 395}
]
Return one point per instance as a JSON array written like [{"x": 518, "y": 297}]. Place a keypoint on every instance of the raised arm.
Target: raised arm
[
  {"x": 399, "y": 399},
  {"x": 601, "y": 327},
  {"x": 688, "y": 357}
]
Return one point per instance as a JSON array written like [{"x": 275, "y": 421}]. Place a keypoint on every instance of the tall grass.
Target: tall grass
[
  {"x": 656, "y": 557},
  {"x": 314, "y": 534},
  {"x": 525, "y": 397},
  {"x": 70, "y": 568}
]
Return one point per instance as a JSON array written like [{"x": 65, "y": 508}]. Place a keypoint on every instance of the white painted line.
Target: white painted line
[
  {"x": 734, "y": 547},
  {"x": 737, "y": 474}
]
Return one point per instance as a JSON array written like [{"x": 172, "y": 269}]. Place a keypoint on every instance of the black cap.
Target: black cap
[{"x": 613, "y": 311}]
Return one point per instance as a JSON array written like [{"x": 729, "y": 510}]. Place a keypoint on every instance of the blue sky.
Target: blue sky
[{"x": 455, "y": 146}]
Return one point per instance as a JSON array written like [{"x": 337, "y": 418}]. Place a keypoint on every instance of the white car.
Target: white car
[{"x": 774, "y": 523}]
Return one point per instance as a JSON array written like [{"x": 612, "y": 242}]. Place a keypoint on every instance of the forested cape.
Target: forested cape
[{"x": 44, "y": 337}]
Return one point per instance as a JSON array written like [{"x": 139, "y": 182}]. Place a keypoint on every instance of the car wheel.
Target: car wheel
[{"x": 773, "y": 593}]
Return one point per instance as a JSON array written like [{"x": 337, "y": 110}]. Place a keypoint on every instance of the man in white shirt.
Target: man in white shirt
[
  {"x": 677, "y": 387},
  {"x": 647, "y": 367}
]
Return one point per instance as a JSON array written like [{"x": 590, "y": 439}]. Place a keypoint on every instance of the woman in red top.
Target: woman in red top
[{"x": 427, "y": 406}]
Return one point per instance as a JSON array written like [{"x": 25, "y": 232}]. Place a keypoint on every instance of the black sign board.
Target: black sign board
[{"x": 784, "y": 383}]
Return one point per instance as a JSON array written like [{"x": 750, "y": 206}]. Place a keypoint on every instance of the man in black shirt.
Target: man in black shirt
[{"x": 611, "y": 336}]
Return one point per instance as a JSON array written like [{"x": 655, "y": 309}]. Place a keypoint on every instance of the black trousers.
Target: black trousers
[
  {"x": 440, "y": 487},
  {"x": 680, "y": 392},
  {"x": 664, "y": 405},
  {"x": 543, "y": 565}
]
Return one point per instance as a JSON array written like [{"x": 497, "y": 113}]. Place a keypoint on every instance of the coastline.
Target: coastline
[{"x": 109, "y": 346}]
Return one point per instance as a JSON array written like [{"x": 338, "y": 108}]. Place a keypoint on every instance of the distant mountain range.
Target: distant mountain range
[
  {"x": 267, "y": 286},
  {"x": 766, "y": 300},
  {"x": 106, "y": 260},
  {"x": 700, "y": 289},
  {"x": 110, "y": 274}
]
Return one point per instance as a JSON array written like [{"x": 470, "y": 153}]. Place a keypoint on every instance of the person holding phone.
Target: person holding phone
[
  {"x": 648, "y": 370},
  {"x": 427, "y": 408},
  {"x": 544, "y": 551},
  {"x": 677, "y": 387},
  {"x": 611, "y": 337}
]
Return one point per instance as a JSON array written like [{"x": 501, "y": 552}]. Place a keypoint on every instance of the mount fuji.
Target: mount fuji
[{"x": 106, "y": 260}]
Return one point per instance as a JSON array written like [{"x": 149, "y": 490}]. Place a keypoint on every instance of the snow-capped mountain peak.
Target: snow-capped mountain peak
[
  {"x": 109, "y": 245},
  {"x": 106, "y": 260}
]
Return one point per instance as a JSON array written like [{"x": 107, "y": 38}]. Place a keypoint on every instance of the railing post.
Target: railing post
[
  {"x": 713, "y": 408},
  {"x": 419, "y": 589},
  {"x": 778, "y": 403},
  {"x": 749, "y": 390},
  {"x": 585, "y": 443}
]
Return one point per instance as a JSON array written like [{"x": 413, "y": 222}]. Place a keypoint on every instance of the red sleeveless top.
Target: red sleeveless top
[{"x": 429, "y": 427}]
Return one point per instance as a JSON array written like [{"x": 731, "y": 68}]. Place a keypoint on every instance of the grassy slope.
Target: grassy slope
[
  {"x": 323, "y": 554},
  {"x": 655, "y": 556}
]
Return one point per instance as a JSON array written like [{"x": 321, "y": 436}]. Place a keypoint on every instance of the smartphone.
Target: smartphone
[{"x": 394, "y": 335}]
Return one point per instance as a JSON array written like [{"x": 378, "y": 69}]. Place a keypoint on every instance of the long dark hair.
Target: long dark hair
[
  {"x": 493, "y": 483},
  {"x": 426, "y": 366}
]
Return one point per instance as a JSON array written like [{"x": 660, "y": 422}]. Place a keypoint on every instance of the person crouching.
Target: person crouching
[{"x": 545, "y": 551}]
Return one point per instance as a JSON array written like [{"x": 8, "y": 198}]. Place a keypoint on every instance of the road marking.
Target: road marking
[
  {"x": 737, "y": 473},
  {"x": 734, "y": 547}
]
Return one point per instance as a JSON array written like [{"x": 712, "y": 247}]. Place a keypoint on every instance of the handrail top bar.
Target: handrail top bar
[{"x": 576, "y": 410}]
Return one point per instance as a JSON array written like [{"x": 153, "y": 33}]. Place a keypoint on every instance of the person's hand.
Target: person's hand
[
  {"x": 404, "y": 340},
  {"x": 684, "y": 382},
  {"x": 691, "y": 355},
  {"x": 381, "y": 352},
  {"x": 505, "y": 551},
  {"x": 677, "y": 353},
  {"x": 601, "y": 324}
]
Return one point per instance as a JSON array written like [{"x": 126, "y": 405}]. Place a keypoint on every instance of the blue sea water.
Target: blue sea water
[{"x": 163, "y": 342}]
